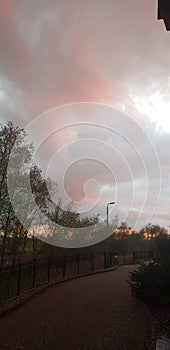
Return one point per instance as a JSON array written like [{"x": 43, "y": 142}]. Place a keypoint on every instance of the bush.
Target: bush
[{"x": 151, "y": 282}]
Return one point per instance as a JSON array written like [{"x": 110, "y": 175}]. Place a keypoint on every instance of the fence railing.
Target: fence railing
[{"x": 14, "y": 281}]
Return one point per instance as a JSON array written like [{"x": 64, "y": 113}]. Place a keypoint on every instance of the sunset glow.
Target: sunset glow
[{"x": 156, "y": 107}]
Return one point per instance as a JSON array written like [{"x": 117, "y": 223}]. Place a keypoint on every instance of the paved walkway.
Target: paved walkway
[{"x": 91, "y": 313}]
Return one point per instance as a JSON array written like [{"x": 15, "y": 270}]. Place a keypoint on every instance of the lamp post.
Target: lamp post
[
  {"x": 109, "y": 247},
  {"x": 108, "y": 213}
]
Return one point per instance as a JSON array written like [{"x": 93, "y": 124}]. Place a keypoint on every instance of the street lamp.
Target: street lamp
[{"x": 108, "y": 212}]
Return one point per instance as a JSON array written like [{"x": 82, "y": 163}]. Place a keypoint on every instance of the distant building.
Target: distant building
[{"x": 164, "y": 12}]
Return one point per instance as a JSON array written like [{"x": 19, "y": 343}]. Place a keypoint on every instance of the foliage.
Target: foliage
[
  {"x": 151, "y": 282},
  {"x": 15, "y": 231},
  {"x": 9, "y": 223},
  {"x": 153, "y": 230},
  {"x": 144, "y": 281},
  {"x": 15, "y": 225},
  {"x": 163, "y": 246}
]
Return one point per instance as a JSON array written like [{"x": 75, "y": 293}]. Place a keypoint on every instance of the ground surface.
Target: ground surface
[{"x": 91, "y": 313}]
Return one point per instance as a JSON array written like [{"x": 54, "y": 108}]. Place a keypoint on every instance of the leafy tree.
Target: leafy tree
[
  {"x": 115, "y": 222},
  {"x": 163, "y": 246},
  {"x": 13, "y": 173},
  {"x": 151, "y": 281},
  {"x": 89, "y": 221},
  {"x": 153, "y": 230},
  {"x": 123, "y": 225},
  {"x": 24, "y": 186},
  {"x": 68, "y": 217},
  {"x": 9, "y": 134}
]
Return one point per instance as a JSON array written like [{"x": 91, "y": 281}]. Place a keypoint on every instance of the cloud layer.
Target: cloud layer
[{"x": 116, "y": 53}]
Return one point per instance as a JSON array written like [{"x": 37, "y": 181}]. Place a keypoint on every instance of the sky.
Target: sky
[{"x": 90, "y": 83}]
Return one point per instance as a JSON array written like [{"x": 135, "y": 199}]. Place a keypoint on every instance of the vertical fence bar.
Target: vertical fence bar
[
  {"x": 78, "y": 264},
  {"x": 19, "y": 280},
  {"x": 48, "y": 271},
  {"x": 34, "y": 272},
  {"x": 64, "y": 267},
  {"x": 124, "y": 257},
  {"x": 92, "y": 263},
  {"x": 111, "y": 259},
  {"x": 104, "y": 260}
]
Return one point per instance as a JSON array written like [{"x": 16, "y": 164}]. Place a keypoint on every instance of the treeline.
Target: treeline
[{"x": 17, "y": 212}]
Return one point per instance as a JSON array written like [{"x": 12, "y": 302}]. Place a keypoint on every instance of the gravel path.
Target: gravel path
[{"x": 90, "y": 313}]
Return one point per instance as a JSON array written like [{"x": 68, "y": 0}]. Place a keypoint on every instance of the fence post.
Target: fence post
[
  {"x": 111, "y": 259},
  {"x": 19, "y": 280},
  {"x": 78, "y": 264},
  {"x": 34, "y": 271},
  {"x": 92, "y": 263},
  {"x": 124, "y": 257},
  {"x": 104, "y": 261},
  {"x": 48, "y": 272},
  {"x": 64, "y": 266}
]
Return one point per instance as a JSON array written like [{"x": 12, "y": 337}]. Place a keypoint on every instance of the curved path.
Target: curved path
[{"x": 90, "y": 313}]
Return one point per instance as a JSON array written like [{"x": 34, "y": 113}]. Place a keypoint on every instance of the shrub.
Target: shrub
[{"x": 151, "y": 282}]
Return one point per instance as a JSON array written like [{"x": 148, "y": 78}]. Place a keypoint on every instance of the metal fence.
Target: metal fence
[{"x": 14, "y": 281}]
